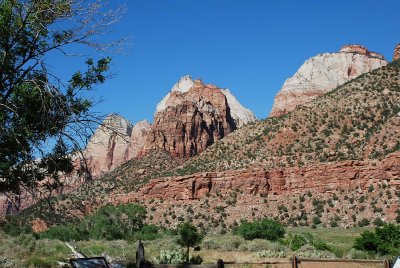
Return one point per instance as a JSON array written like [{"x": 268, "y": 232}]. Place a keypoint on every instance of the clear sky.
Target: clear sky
[{"x": 248, "y": 46}]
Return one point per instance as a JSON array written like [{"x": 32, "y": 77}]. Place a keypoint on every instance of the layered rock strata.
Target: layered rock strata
[
  {"x": 239, "y": 113},
  {"x": 190, "y": 120},
  {"x": 322, "y": 73},
  {"x": 346, "y": 175}
]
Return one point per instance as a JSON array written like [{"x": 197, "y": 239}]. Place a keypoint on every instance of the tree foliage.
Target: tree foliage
[
  {"x": 264, "y": 228},
  {"x": 43, "y": 119},
  {"x": 125, "y": 221},
  {"x": 385, "y": 240},
  {"x": 188, "y": 237}
]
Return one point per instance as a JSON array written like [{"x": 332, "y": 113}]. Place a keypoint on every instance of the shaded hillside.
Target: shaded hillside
[
  {"x": 91, "y": 195},
  {"x": 358, "y": 120}
]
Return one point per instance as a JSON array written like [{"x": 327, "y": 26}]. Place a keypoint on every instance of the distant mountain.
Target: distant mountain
[
  {"x": 114, "y": 143},
  {"x": 358, "y": 120},
  {"x": 193, "y": 116},
  {"x": 322, "y": 73}
]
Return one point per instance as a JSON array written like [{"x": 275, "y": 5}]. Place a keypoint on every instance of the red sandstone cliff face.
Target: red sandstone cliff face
[
  {"x": 347, "y": 175},
  {"x": 323, "y": 73},
  {"x": 396, "y": 55},
  {"x": 191, "y": 122}
]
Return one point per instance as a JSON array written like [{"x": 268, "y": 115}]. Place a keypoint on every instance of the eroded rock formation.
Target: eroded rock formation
[
  {"x": 188, "y": 121},
  {"x": 114, "y": 143},
  {"x": 396, "y": 55},
  {"x": 322, "y": 73},
  {"x": 240, "y": 114},
  {"x": 346, "y": 175}
]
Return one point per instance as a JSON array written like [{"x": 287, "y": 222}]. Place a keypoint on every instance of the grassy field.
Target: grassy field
[{"x": 26, "y": 251}]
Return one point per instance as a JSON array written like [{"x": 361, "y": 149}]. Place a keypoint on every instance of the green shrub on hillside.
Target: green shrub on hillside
[{"x": 264, "y": 228}]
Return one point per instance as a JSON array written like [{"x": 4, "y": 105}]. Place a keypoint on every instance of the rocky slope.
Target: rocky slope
[
  {"x": 358, "y": 120},
  {"x": 192, "y": 117},
  {"x": 322, "y": 73},
  {"x": 114, "y": 143}
]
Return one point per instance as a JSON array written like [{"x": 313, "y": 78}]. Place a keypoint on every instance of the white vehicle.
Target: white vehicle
[{"x": 397, "y": 262}]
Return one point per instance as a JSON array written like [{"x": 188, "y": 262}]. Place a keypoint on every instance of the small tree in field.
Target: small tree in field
[{"x": 188, "y": 237}]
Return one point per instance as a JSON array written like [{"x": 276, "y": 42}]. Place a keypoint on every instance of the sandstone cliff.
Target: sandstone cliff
[
  {"x": 322, "y": 73},
  {"x": 396, "y": 55},
  {"x": 190, "y": 119},
  {"x": 240, "y": 114},
  {"x": 114, "y": 143}
]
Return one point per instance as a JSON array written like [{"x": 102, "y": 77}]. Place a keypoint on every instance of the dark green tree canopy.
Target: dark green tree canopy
[
  {"x": 188, "y": 237},
  {"x": 44, "y": 120}
]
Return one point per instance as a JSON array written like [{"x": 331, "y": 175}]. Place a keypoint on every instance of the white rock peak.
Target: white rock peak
[
  {"x": 323, "y": 73},
  {"x": 239, "y": 113}
]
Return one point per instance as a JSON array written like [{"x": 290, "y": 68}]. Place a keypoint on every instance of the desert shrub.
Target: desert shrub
[
  {"x": 171, "y": 257},
  {"x": 364, "y": 222},
  {"x": 320, "y": 245},
  {"x": 264, "y": 228},
  {"x": 270, "y": 253},
  {"x": 385, "y": 240},
  {"x": 148, "y": 232},
  {"x": 358, "y": 254},
  {"x": 196, "y": 259},
  {"x": 308, "y": 251},
  {"x": 295, "y": 241}
]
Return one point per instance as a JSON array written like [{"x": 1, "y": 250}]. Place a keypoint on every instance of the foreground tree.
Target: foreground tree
[
  {"x": 37, "y": 108},
  {"x": 188, "y": 237},
  {"x": 384, "y": 241}
]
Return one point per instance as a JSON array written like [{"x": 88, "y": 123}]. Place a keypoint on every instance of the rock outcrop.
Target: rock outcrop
[
  {"x": 329, "y": 177},
  {"x": 192, "y": 117},
  {"x": 322, "y": 73},
  {"x": 240, "y": 114},
  {"x": 114, "y": 143},
  {"x": 396, "y": 55}
]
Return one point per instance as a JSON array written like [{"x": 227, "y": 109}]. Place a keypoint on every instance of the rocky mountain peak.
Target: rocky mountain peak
[
  {"x": 240, "y": 114},
  {"x": 323, "y": 73},
  {"x": 396, "y": 55},
  {"x": 115, "y": 142},
  {"x": 190, "y": 121},
  {"x": 359, "y": 49}
]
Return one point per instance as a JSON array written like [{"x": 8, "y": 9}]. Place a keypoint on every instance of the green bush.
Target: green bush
[
  {"x": 295, "y": 241},
  {"x": 171, "y": 257},
  {"x": 385, "y": 240},
  {"x": 196, "y": 259},
  {"x": 125, "y": 221},
  {"x": 264, "y": 228},
  {"x": 66, "y": 233}
]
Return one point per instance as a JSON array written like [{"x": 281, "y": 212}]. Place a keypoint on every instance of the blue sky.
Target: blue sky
[{"x": 248, "y": 46}]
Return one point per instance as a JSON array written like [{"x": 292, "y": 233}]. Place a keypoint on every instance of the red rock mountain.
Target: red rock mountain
[
  {"x": 191, "y": 121},
  {"x": 323, "y": 73}
]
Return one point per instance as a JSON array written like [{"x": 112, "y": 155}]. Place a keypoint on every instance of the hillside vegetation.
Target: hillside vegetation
[{"x": 358, "y": 120}]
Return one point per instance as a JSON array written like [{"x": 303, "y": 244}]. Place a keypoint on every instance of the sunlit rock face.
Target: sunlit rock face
[
  {"x": 193, "y": 116},
  {"x": 239, "y": 113},
  {"x": 396, "y": 55},
  {"x": 322, "y": 73},
  {"x": 114, "y": 143}
]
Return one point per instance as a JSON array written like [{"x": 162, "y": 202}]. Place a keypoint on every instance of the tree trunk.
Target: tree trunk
[{"x": 187, "y": 255}]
